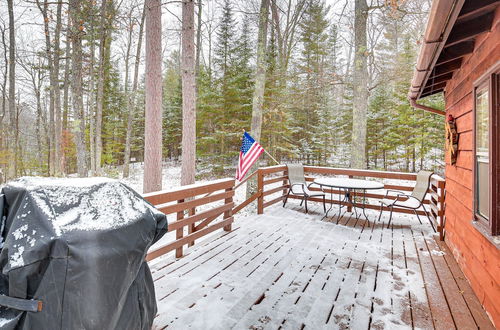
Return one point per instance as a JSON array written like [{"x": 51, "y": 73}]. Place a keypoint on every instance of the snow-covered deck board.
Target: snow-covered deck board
[{"x": 286, "y": 269}]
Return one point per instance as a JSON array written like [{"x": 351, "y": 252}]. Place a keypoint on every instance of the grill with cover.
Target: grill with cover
[{"x": 72, "y": 255}]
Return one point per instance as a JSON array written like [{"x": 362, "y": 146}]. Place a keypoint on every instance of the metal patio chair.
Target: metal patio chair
[
  {"x": 299, "y": 186},
  {"x": 413, "y": 201}
]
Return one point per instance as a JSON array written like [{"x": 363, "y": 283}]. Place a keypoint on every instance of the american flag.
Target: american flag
[{"x": 249, "y": 152}]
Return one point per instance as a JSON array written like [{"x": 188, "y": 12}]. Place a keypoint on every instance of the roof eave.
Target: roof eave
[{"x": 436, "y": 34}]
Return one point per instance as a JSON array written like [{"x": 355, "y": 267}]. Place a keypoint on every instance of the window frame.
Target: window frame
[{"x": 491, "y": 80}]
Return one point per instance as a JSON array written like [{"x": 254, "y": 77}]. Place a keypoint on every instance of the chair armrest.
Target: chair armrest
[
  {"x": 320, "y": 186},
  {"x": 400, "y": 196},
  {"x": 396, "y": 193}
]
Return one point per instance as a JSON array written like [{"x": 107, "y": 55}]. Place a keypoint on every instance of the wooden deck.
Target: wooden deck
[{"x": 289, "y": 270}]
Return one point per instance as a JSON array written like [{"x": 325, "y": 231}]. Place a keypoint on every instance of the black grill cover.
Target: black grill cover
[{"x": 77, "y": 246}]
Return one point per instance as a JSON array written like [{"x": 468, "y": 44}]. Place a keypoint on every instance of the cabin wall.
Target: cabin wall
[{"x": 478, "y": 258}]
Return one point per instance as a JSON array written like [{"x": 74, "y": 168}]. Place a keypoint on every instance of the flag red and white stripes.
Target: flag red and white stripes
[{"x": 249, "y": 153}]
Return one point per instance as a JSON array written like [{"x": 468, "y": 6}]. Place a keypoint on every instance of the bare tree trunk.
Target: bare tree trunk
[
  {"x": 3, "y": 132},
  {"x": 12, "y": 90},
  {"x": 132, "y": 98},
  {"x": 38, "y": 129},
  {"x": 57, "y": 92},
  {"x": 76, "y": 87},
  {"x": 127, "y": 71},
  {"x": 153, "y": 120},
  {"x": 53, "y": 55},
  {"x": 65, "y": 110},
  {"x": 198, "y": 38},
  {"x": 360, "y": 93},
  {"x": 100, "y": 87},
  {"x": 67, "y": 62},
  {"x": 52, "y": 81},
  {"x": 260, "y": 82},
  {"x": 260, "y": 72},
  {"x": 91, "y": 101},
  {"x": 188, "y": 95}
]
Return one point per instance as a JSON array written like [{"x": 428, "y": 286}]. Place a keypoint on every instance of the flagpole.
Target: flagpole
[
  {"x": 244, "y": 131},
  {"x": 271, "y": 157}
]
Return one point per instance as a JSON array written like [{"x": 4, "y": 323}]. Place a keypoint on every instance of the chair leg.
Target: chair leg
[
  {"x": 305, "y": 199},
  {"x": 428, "y": 218},
  {"x": 415, "y": 211},
  {"x": 286, "y": 197},
  {"x": 302, "y": 201},
  {"x": 324, "y": 203},
  {"x": 380, "y": 214},
  {"x": 390, "y": 217}
]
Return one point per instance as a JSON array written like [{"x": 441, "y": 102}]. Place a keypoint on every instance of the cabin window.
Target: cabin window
[
  {"x": 486, "y": 156},
  {"x": 482, "y": 152}
]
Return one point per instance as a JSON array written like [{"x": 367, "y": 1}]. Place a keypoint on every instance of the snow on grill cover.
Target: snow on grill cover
[{"x": 78, "y": 246}]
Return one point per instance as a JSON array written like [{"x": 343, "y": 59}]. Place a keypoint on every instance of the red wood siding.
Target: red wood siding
[{"x": 478, "y": 258}]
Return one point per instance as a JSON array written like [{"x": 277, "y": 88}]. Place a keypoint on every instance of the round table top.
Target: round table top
[{"x": 349, "y": 183}]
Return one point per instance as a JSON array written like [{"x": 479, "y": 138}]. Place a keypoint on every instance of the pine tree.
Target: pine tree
[
  {"x": 311, "y": 115},
  {"x": 225, "y": 102},
  {"x": 114, "y": 110},
  {"x": 172, "y": 107},
  {"x": 275, "y": 129}
]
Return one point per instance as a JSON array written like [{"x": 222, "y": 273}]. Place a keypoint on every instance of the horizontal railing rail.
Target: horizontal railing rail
[
  {"x": 198, "y": 207},
  {"x": 218, "y": 195}
]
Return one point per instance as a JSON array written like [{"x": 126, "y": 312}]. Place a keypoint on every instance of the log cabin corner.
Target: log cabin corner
[{"x": 460, "y": 57}]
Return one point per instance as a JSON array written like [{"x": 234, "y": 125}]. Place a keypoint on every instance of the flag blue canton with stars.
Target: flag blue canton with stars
[{"x": 248, "y": 141}]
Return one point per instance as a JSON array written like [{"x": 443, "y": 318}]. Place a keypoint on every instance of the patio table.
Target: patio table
[{"x": 348, "y": 186}]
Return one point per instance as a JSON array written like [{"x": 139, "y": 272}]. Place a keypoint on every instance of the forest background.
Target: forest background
[{"x": 309, "y": 85}]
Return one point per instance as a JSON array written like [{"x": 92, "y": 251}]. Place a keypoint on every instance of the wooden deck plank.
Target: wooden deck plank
[
  {"x": 236, "y": 264},
  {"x": 208, "y": 251},
  {"x": 226, "y": 291},
  {"x": 256, "y": 295},
  {"x": 384, "y": 308},
  {"x": 321, "y": 309},
  {"x": 343, "y": 307},
  {"x": 400, "y": 276},
  {"x": 285, "y": 290},
  {"x": 290, "y": 270},
  {"x": 307, "y": 286},
  {"x": 360, "y": 311},
  {"x": 459, "y": 311},
  {"x": 420, "y": 310},
  {"x": 441, "y": 314},
  {"x": 212, "y": 264},
  {"x": 474, "y": 306}
]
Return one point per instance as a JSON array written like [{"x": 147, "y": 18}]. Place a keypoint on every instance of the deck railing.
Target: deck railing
[
  {"x": 270, "y": 193},
  {"x": 198, "y": 207},
  {"x": 213, "y": 198}
]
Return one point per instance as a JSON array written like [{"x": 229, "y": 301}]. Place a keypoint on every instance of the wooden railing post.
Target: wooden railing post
[
  {"x": 442, "y": 206},
  {"x": 260, "y": 190},
  {"x": 179, "y": 233},
  {"x": 228, "y": 213},
  {"x": 191, "y": 227},
  {"x": 285, "y": 182},
  {"x": 349, "y": 206}
]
